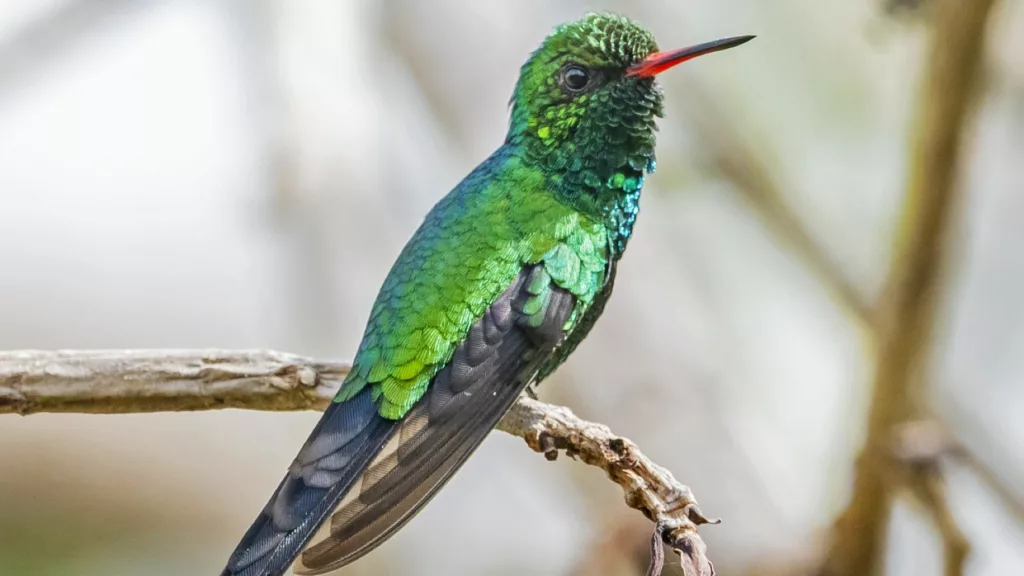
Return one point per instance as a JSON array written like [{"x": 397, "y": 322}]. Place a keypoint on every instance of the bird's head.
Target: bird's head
[{"x": 585, "y": 104}]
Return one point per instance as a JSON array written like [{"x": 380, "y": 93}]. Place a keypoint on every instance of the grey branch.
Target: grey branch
[{"x": 133, "y": 381}]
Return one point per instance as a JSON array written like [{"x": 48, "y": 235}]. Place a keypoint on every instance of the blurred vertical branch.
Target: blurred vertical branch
[{"x": 908, "y": 308}]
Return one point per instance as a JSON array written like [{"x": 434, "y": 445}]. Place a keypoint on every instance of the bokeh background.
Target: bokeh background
[{"x": 241, "y": 174}]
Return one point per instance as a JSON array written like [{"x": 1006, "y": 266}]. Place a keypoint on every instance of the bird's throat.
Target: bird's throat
[{"x": 612, "y": 200}]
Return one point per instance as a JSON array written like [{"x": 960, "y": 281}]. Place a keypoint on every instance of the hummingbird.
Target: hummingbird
[{"x": 503, "y": 279}]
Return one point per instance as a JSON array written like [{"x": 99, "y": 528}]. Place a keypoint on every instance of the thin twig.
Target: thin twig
[
  {"x": 928, "y": 488},
  {"x": 730, "y": 155},
  {"x": 124, "y": 381},
  {"x": 909, "y": 307},
  {"x": 1011, "y": 498},
  {"x": 966, "y": 432}
]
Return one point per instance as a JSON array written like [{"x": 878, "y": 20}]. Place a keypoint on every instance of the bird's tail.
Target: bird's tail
[{"x": 347, "y": 438}]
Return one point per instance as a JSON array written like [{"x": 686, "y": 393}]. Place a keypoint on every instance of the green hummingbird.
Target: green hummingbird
[{"x": 503, "y": 279}]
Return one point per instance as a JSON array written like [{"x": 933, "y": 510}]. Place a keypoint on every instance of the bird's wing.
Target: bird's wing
[
  {"x": 467, "y": 398},
  {"x": 486, "y": 289},
  {"x": 371, "y": 474}
]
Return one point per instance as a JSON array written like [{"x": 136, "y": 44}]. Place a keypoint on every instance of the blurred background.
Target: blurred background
[{"x": 242, "y": 173}]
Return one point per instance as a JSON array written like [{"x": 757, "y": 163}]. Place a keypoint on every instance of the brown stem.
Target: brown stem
[{"x": 908, "y": 308}]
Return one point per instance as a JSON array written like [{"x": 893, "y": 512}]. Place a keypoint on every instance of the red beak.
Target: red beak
[{"x": 658, "y": 62}]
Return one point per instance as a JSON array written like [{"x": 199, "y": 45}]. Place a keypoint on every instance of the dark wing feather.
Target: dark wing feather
[
  {"x": 376, "y": 474},
  {"x": 488, "y": 371},
  {"x": 464, "y": 402},
  {"x": 344, "y": 441}
]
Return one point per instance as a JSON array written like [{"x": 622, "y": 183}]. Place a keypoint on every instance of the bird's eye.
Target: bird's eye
[{"x": 575, "y": 78}]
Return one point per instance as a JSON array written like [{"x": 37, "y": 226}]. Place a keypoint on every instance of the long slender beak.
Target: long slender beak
[{"x": 660, "y": 61}]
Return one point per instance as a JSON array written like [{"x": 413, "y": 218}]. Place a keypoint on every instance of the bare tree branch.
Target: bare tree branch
[
  {"x": 131, "y": 381},
  {"x": 126, "y": 381},
  {"x": 648, "y": 487}
]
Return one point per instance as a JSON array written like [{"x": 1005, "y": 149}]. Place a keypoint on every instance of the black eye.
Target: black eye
[{"x": 575, "y": 78}]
